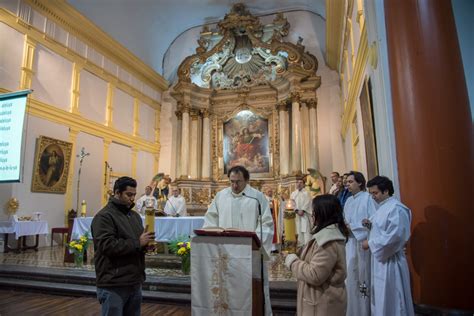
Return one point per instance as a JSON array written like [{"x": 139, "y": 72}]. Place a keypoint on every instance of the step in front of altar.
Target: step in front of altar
[{"x": 157, "y": 289}]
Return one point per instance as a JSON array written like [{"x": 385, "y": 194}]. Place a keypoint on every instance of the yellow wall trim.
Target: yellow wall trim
[
  {"x": 334, "y": 25},
  {"x": 356, "y": 82},
  {"x": 76, "y": 122}
]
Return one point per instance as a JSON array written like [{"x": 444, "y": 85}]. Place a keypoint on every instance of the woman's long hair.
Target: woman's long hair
[{"x": 327, "y": 210}]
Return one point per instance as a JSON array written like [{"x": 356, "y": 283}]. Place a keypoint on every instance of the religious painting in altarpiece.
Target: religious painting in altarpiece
[
  {"x": 246, "y": 142},
  {"x": 51, "y": 165}
]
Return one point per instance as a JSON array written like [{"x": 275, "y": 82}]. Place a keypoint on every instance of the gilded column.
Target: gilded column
[
  {"x": 206, "y": 146},
  {"x": 27, "y": 63},
  {"x": 305, "y": 146},
  {"x": 313, "y": 134},
  {"x": 70, "y": 180},
  {"x": 284, "y": 139},
  {"x": 194, "y": 145},
  {"x": 179, "y": 116},
  {"x": 76, "y": 80},
  {"x": 185, "y": 142},
  {"x": 296, "y": 133}
]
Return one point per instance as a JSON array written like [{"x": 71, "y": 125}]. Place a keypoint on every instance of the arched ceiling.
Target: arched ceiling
[{"x": 148, "y": 27}]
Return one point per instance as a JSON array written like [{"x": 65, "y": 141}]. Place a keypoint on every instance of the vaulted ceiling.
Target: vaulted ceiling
[{"x": 148, "y": 27}]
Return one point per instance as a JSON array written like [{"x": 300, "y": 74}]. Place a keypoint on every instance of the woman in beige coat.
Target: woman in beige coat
[{"x": 321, "y": 267}]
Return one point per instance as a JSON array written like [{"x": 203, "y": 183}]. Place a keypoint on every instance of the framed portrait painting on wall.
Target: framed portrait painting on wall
[{"x": 51, "y": 165}]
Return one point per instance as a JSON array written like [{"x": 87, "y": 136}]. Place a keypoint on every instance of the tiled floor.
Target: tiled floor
[{"x": 53, "y": 257}]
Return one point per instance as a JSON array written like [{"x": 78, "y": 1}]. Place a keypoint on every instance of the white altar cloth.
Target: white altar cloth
[
  {"x": 166, "y": 228},
  {"x": 24, "y": 228}
]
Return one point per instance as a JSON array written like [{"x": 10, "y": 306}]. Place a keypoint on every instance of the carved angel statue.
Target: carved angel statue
[
  {"x": 315, "y": 183},
  {"x": 160, "y": 185}
]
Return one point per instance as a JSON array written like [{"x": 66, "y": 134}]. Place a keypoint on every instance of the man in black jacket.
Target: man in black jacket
[{"x": 119, "y": 246}]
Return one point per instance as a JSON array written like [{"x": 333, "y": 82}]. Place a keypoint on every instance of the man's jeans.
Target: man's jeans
[{"x": 118, "y": 301}]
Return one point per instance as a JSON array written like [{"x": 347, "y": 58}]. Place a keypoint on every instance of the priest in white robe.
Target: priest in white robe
[
  {"x": 237, "y": 207},
  {"x": 390, "y": 231},
  {"x": 357, "y": 208},
  {"x": 303, "y": 200},
  {"x": 140, "y": 206},
  {"x": 176, "y": 204}
]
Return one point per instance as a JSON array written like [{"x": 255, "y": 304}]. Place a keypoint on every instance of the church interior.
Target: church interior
[{"x": 174, "y": 94}]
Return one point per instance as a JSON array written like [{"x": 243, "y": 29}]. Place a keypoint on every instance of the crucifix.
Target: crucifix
[{"x": 81, "y": 157}]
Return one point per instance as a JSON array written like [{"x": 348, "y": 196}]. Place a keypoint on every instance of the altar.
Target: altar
[
  {"x": 166, "y": 228},
  {"x": 22, "y": 229}
]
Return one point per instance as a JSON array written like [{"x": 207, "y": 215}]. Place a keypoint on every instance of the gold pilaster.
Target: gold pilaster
[
  {"x": 73, "y": 132},
  {"x": 76, "y": 81},
  {"x": 136, "y": 117},
  {"x": 27, "y": 63},
  {"x": 157, "y": 125},
  {"x": 109, "y": 110}
]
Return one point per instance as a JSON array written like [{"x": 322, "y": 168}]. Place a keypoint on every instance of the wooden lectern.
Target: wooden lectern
[{"x": 225, "y": 273}]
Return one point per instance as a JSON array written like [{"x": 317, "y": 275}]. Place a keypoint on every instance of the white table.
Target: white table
[
  {"x": 21, "y": 229},
  {"x": 166, "y": 228}
]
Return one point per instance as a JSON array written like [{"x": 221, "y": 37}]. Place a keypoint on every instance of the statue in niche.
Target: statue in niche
[
  {"x": 160, "y": 186},
  {"x": 314, "y": 183}
]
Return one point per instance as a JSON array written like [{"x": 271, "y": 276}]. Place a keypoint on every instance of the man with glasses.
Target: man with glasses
[{"x": 238, "y": 207}]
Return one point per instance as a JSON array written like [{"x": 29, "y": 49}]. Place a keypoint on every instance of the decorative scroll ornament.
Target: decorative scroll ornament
[{"x": 244, "y": 53}]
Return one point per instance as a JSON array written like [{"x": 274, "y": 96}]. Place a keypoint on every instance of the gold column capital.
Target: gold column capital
[
  {"x": 205, "y": 113},
  {"x": 312, "y": 103},
  {"x": 282, "y": 105},
  {"x": 194, "y": 114},
  {"x": 295, "y": 96}
]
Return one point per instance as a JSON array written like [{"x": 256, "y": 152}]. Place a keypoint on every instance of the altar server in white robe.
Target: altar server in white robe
[
  {"x": 303, "y": 200},
  {"x": 237, "y": 207},
  {"x": 140, "y": 206},
  {"x": 390, "y": 231},
  {"x": 176, "y": 204},
  {"x": 357, "y": 208}
]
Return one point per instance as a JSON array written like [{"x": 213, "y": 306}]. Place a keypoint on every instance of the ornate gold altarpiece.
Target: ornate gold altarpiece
[{"x": 241, "y": 65}]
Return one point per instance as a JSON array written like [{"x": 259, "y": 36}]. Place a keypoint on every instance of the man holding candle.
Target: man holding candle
[
  {"x": 302, "y": 200},
  {"x": 119, "y": 246}
]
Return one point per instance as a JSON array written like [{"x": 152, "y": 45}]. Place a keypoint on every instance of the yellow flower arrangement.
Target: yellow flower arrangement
[
  {"x": 78, "y": 246},
  {"x": 182, "y": 248}
]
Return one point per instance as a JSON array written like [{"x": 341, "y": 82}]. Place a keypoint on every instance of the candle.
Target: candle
[{"x": 83, "y": 208}]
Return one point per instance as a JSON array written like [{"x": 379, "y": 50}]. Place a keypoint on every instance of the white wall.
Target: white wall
[
  {"x": 10, "y": 57},
  {"x": 168, "y": 123},
  {"x": 51, "y": 205},
  {"x": 93, "y": 97},
  {"x": 52, "y": 78},
  {"x": 91, "y": 180}
]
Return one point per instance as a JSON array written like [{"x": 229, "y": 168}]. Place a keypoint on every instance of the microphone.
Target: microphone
[{"x": 261, "y": 246}]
